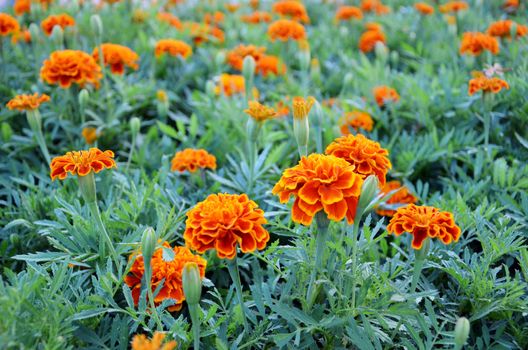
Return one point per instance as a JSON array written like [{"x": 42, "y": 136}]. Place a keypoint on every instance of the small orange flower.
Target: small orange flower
[
  {"x": 368, "y": 40},
  {"x": 192, "y": 159},
  {"x": 402, "y": 196},
  {"x": 27, "y": 102},
  {"x": 231, "y": 84},
  {"x": 215, "y": 18},
  {"x": 223, "y": 220},
  {"x": 269, "y": 64},
  {"x": 117, "y": 57},
  {"x": 203, "y": 32},
  {"x": 260, "y": 112},
  {"x": 302, "y": 107},
  {"x": 424, "y": 9},
  {"x": 232, "y": 7},
  {"x": 167, "y": 271},
  {"x": 282, "y": 109},
  {"x": 356, "y": 120},
  {"x": 383, "y": 94},
  {"x": 291, "y": 8},
  {"x": 89, "y": 134},
  {"x": 141, "y": 342},
  {"x": 173, "y": 48},
  {"x": 285, "y": 29},
  {"x": 22, "y": 6},
  {"x": 503, "y": 29},
  {"x": 454, "y": 6},
  {"x": 8, "y": 25},
  {"x": 235, "y": 57},
  {"x": 423, "y": 222},
  {"x": 486, "y": 84},
  {"x": 257, "y": 17},
  {"x": 320, "y": 182},
  {"x": 169, "y": 18},
  {"x": 374, "y": 6},
  {"x": 63, "y": 20},
  {"x": 24, "y": 35},
  {"x": 81, "y": 163},
  {"x": 162, "y": 96},
  {"x": 373, "y": 26},
  {"x": 510, "y": 5},
  {"x": 139, "y": 16},
  {"x": 345, "y": 13},
  {"x": 474, "y": 43},
  {"x": 71, "y": 66}
]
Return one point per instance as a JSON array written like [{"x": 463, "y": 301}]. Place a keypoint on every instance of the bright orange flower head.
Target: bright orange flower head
[
  {"x": 383, "y": 94},
  {"x": 345, "y": 13},
  {"x": 486, "y": 84},
  {"x": 231, "y": 84},
  {"x": 454, "y": 6},
  {"x": 423, "y": 222},
  {"x": 356, "y": 120},
  {"x": 285, "y": 29},
  {"x": 71, "y": 66},
  {"x": 22, "y": 6},
  {"x": 215, "y": 18},
  {"x": 474, "y": 43},
  {"x": 117, "y": 57},
  {"x": 503, "y": 29},
  {"x": 63, "y": 20},
  {"x": 302, "y": 106},
  {"x": 222, "y": 221},
  {"x": 291, "y": 8},
  {"x": 256, "y": 17},
  {"x": 235, "y": 57},
  {"x": 402, "y": 196},
  {"x": 424, "y": 9},
  {"x": 173, "y": 48},
  {"x": 167, "y": 271},
  {"x": 510, "y": 5},
  {"x": 368, "y": 157},
  {"x": 192, "y": 159},
  {"x": 260, "y": 112},
  {"x": 89, "y": 134},
  {"x": 27, "y": 102},
  {"x": 269, "y": 64},
  {"x": 374, "y": 6},
  {"x": 81, "y": 163},
  {"x": 141, "y": 342},
  {"x": 368, "y": 40},
  {"x": 232, "y": 7},
  {"x": 203, "y": 32},
  {"x": 169, "y": 18},
  {"x": 23, "y": 35},
  {"x": 8, "y": 25},
  {"x": 320, "y": 182}
]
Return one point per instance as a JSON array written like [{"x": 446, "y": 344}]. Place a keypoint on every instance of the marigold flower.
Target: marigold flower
[
  {"x": 511, "y": 5},
  {"x": 235, "y": 57},
  {"x": 486, "y": 84},
  {"x": 231, "y": 84},
  {"x": 374, "y": 6},
  {"x": 368, "y": 40},
  {"x": 423, "y": 222},
  {"x": 320, "y": 182},
  {"x": 71, "y": 66},
  {"x": 269, "y": 64},
  {"x": 424, "y": 9},
  {"x": 256, "y": 17},
  {"x": 282, "y": 109},
  {"x": 141, "y": 342},
  {"x": 356, "y": 120},
  {"x": 223, "y": 220},
  {"x": 232, "y": 7},
  {"x": 402, "y": 196},
  {"x": 62, "y": 20},
  {"x": 169, "y": 18},
  {"x": 81, "y": 163},
  {"x": 373, "y": 26},
  {"x": 173, "y": 48},
  {"x": 285, "y": 29},
  {"x": 192, "y": 159},
  {"x": 8, "y": 25},
  {"x": 27, "y": 102},
  {"x": 24, "y": 35},
  {"x": 260, "y": 112},
  {"x": 474, "y": 43},
  {"x": 168, "y": 272},
  {"x": 117, "y": 57},
  {"x": 89, "y": 134},
  {"x": 22, "y": 6},
  {"x": 291, "y": 8},
  {"x": 162, "y": 96},
  {"x": 139, "y": 16},
  {"x": 345, "y": 13},
  {"x": 202, "y": 32},
  {"x": 503, "y": 29},
  {"x": 453, "y": 6},
  {"x": 383, "y": 94},
  {"x": 302, "y": 107},
  {"x": 214, "y": 18}
]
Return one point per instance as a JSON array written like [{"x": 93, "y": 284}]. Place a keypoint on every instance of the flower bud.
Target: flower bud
[
  {"x": 513, "y": 30},
  {"x": 210, "y": 89},
  {"x": 148, "y": 244},
  {"x": 192, "y": 283},
  {"x": 369, "y": 191},
  {"x": 35, "y": 32},
  {"x": 57, "y": 35},
  {"x": 381, "y": 50},
  {"x": 462, "y": 331},
  {"x": 135, "y": 125},
  {"x": 301, "y": 125},
  {"x": 394, "y": 57},
  {"x": 220, "y": 58},
  {"x": 304, "y": 59},
  {"x": 97, "y": 26},
  {"x": 248, "y": 71},
  {"x": 7, "y": 132},
  {"x": 84, "y": 96},
  {"x": 315, "y": 69}
]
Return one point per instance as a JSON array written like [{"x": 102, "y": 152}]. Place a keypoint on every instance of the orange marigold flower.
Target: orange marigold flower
[
  {"x": 511, "y": 5},
  {"x": 345, "y": 13},
  {"x": 257, "y": 17},
  {"x": 71, "y": 66},
  {"x": 282, "y": 109},
  {"x": 8, "y": 25},
  {"x": 269, "y": 64},
  {"x": 192, "y": 159},
  {"x": 424, "y": 9},
  {"x": 22, "y": 6},
  {"x": 62, "y": 20},
  {"x": 170, "y": 19},
  {"x": 141, "y": 342},
  {"x": 356, "y": 120},
  {"x": 81, "y": 163},
  {"x": 285, "y": 29},
  {"x": 202, "y": 32},
  {"x": 503, "y": 29},
  {"x": 231, "y": 84},
  {"x": 27, "y": 102},
  {"x": 291, "y": 8},
  {"x": 214, "y": 18},
  {"x": 223, "y": 220},
  {"x": 402, "y": 196},
  {"x": 373, "y": 26},
  {"x": 383, "y": 94},
  {"x": 232, "y": 7},
  {"x": 167, "y": 271},
  {"x": 474, "y": 43},
  {"x": 162, "y": 96},
  {"x": 235, "y": 57},
  {"x": 117, "y": 57},
  {"x": 173, "y": 48},
  {"x": 423, "y": 222},
  {"x": 260, "y": 112},
  {"x": 368, "y": 40},
  {"x": 368, "y": 157},
  {"x": 139, "y": 16},
  {"x": 374, "y": 6},
  {"x": 454, "y": 6},
  {"x": 486, "y": 84},
  {"x": 89, "y": 134},
  {"x": 320, "y": 182},
  {"x": 302, "y": 107},
  {"x": 24, "y": 35}
]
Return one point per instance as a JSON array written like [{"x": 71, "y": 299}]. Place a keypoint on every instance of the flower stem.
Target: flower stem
[
  {"x": 35, "y": 123},
  {"x": 147, "y": 276},
  {"x": 320, "y": 243},
  {"x": 355, "y": 232},
  {"x": 420, "y": 256},
  {"x": 232, "y": 266},
  {"x": 194, "y": 311}
]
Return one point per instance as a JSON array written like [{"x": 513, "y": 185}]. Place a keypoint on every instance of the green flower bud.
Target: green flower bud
[
  {"x": 135, "y": 125},
  {"x": 210, "y": 89},
  {"x": 513, "y": 30},
  {"x": 35, "y": 32},
  {"x": 97, "y": 26},
  {"x": 220, "y": 58},
  {"x": 192, "y": 283},
  {"x": 381, "y": 50},
  {"x": 394, "y": 57},
  {"x": 248, "y": 71},
  {"x": 84, "y": 96},
  {"x": 148, "y": 244},
  {"x": 7, "y": 132},
  {"x": 57, "y": 35},
  {"x": 462, "y": 329},
  {"x": 304, "y": 59},
  {"x": 369, "y": 191}
]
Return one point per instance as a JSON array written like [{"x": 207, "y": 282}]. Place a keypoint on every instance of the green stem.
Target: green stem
[
  {"x": 35, "y": 123},
  {"x": 320, "y": 244},
  {"x": 232, "y": 266},
  {"x": 420, "y": 256},
  {"x": 355, "y": 231},
  {"x": 194, "y": 310},
  {"x": 148, "y": 281},
  {"x": 132, "y": 147}
]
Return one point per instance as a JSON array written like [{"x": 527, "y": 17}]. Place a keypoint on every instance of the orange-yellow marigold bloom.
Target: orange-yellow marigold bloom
[
  {"x": 320, "y": 182},
  {"x": 139, "y": 16},
  {"x": 269, "y": 64},
  {"x": 345, "y": 13},
  {"x": 368, "y": 40},
  {"x": 89, "y": 134},
  {"x": 383, "y": 94},
  {"x": 401, "y": 197},
  {"x": 22, "y": 6},
  {"x": 256, "y": 17},
  {"x": 215, "y": 18},
  {"x": 27, "y": 102},
  {"x": 62, "y": 20},
  {"x": 222, "y": 221},
  {"x": 474, "y": 43},
  {"x": 424, "y": 222},
  {"x": 192, "y": 159},
  {"x": 510, "y": 5},
  {"x": 173, "y": 48},
  {"x": 167, "y": 271},
  {"x": 486, "y": 84},
  {"x": 23, "y": 35},
  {"x": 8, "y": 25},
  {"x": 232, "y": 7},
  {"x": 302, "y": 106},
  {"x": 71, "y": 66},
  {"x": 231, "y": 84},
  {"x": 203, "y": 32},
  {"x": 424, "y": 9},
  {"x": 374, "y": 6},
  {"x": 368, "y": 157},
  {"x": 356, "y": 120},
  {"x": 291, "y": 8},
  {"x": 285, "y": 29},
  {"x": 235, "y": 57},
  {"x": 169, "y": 18},
  {"x": 141, "y": 342},
  {"x": 117, "y": 57},
  {"x": 260, "y": 112},
  {"x": 81, "y": 163},
  {"x": 503, "y": 29},
  {"x": 454, "y": 6}
]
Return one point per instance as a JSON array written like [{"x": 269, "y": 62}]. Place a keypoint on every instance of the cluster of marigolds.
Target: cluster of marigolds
[{"x": 328, "y": 183}]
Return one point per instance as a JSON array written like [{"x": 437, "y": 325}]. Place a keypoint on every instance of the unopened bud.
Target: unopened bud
[
  {"x": 394, "y": 57},
  {"x": 97, "y": 26},
  {"x": 462, "y": 331},
  {"x": 148, "y": 244},
  {"x": 381, "y": 50},
  {"x": 84, "y": 96},
  {"x": 369, "y": 190},
  {"x": 210, "y": 89},
  {"x": 248, "y": 71},
  {"x": 304, "y": 59},
  {"x": 513, "y": 30},
  {"x": 135, "y": 125},
  {"x": 7, "y": 132},
  {"x": 35, "y": 32},
  {"x": 192, "y": 283},
  {"x": 57, "y": 35},
  {"x": 220, "y": 58}
]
